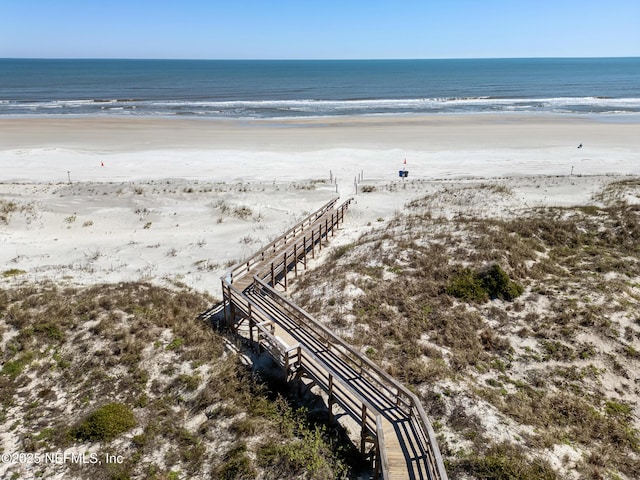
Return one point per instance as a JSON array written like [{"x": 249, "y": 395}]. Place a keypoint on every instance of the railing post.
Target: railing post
[
  {"x": 320, "y": 236},
  {"x": 225, "y": 302},
  {"x": 295, "y": 259},
  {"x": 250, "y": 326},
  {"x": 313, "y": 244},
  {"x": 285, "y": 271},
  {"x": 232, "y": 306},
  {"x": 330, "y": 400},
  {"x": 286, "y": 364},
  {"x": 363, "y": 429},
  {"x": 304, "y": 251},
  {"x": 273, "y": 277}
]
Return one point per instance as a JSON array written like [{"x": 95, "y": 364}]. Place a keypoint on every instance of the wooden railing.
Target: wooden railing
[
  {"x": 330, "y": 362},
  {"x": 274, "y": 246},
  {"x": 396, "y": 393}
]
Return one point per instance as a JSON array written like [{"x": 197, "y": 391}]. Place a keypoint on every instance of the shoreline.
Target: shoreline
[{"x": 115, "y": 149}]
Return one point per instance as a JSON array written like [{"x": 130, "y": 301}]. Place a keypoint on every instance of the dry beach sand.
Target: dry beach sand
[{"x": 92, "y": 200}]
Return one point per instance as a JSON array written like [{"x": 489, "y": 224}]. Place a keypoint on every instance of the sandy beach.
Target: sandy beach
[{"x": 99, "y": 199}]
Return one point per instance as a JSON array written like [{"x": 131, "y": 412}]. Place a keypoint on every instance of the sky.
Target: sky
[{"x": 312, "y": 29}]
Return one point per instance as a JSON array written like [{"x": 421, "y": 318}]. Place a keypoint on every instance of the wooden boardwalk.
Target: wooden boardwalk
[{"x": 394, "y": 429}]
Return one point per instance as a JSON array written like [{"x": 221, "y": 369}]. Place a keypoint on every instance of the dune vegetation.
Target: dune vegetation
[
  {"x": 519, "y": 330},
  {"x": 128, "y": 372}
]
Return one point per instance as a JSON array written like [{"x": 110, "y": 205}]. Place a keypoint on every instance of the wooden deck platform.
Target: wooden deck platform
[{"x": 394, "y": 427}]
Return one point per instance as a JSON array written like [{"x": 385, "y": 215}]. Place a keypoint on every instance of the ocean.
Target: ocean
[{"x": 297, "y": 88}]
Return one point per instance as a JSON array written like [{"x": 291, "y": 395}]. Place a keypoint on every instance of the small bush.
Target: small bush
[
  {"x": 236, "y": 465},
  {"x": 14, "y": 368},
  {"x": 479, "y": 287},
  {"x": 498, "y": 284},
  {"x": 467, "y": 286},
  {"x": 106, "y": 423}
]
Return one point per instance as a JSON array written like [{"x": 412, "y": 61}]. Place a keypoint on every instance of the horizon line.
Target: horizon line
[{"x": 327, "y": 59}]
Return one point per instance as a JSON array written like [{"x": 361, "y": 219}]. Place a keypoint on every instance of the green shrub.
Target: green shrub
[
  {"x": 308, "y": 455},
  {"x": 236, "y": 465},
  {"x": 497, "y": 284},
  {"x": 467, "y": 286},
  {"x": 106, "y": 423},
  {"x": 15, "y": 367},
  {"x": 479, "y": 287}
]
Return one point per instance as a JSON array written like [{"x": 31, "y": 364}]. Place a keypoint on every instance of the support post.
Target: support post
[
  {"x": 286, "y": 364},
  {"x": 250, "y": 323},
  {"x": 363, "y": 429},
  {"x": 295, "y": 260},
  {"x": 232, "y": 306},
  {"x": 330, "y": 400}
]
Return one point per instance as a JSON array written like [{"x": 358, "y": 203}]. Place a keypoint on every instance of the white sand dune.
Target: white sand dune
[{"x": 178, "y": 200}]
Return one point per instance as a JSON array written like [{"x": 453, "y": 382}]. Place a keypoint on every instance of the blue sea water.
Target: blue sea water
[{"x": 272, "y": 89}]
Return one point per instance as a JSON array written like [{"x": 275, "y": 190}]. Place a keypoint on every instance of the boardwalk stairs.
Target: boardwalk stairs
[{"x": 394, "y": 429}]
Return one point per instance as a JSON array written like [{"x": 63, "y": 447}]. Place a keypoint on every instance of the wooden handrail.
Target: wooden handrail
[
  {"x": 386, "y": 385},
  {"x": 407, "y": 397},
  {"x": 373, "y": 421},
  {"x": 245, "y": 265},
  {"x": 382, "y": 449}
]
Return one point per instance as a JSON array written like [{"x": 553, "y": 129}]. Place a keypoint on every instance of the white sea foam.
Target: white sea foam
[{"x": 311, "y": 107}]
